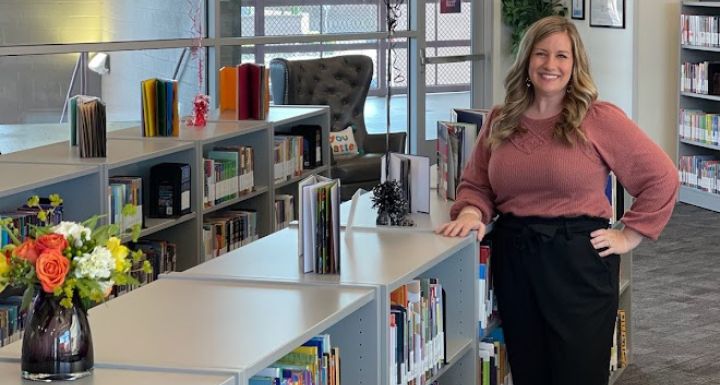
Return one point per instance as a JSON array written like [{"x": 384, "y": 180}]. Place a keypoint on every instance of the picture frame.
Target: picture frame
[
  {"x": 577, "y": 10},
  {"x": 607, "y": 13}
]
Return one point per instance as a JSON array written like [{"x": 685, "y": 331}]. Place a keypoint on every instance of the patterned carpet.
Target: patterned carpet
[{"x": 676, "y": 303}]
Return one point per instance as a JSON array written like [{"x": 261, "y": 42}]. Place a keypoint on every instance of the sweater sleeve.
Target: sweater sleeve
[
  {"x": 474, "y": 188},
  {"x": 641, "y": 166}
]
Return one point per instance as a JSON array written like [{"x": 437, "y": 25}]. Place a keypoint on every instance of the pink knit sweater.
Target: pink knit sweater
[{"x": 533, "y": 174}]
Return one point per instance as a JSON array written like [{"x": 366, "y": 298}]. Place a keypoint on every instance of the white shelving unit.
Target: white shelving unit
[
  {"x": 236, "y": 328},
  {"x": 10, "y": 375},
  {"x": 78, "y": 185},
  {"x": 385, "y": 260},
  {"x": 129, "y": 153},
  {"x": 708, "y": 103}
]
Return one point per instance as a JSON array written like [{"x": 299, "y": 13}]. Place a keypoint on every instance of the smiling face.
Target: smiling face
[{"x": 551, "y": 64}]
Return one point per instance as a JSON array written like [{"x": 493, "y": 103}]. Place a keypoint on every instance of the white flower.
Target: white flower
[
  {"x": 105, "y": 286},
  {"x": 98, "y": 264},
  {"x": 78, "y": 232}
]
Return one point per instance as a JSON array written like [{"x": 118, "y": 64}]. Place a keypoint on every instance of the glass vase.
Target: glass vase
[{"x": 57, "y": 344}]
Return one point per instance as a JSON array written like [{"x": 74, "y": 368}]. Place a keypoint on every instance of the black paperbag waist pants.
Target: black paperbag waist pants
[{"x": 557, "y": 299}]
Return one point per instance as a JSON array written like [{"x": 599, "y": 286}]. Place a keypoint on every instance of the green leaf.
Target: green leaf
[
  {"x": 129, "y": 210},
  {"x": 135, "y": 234},
  {"x": 103, "y": 233},
  {"x": 27, "y": 297},
  {"x": 91, "y": 222}
]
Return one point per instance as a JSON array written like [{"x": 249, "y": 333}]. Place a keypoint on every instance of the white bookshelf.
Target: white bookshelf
[
  {"x": 232, "y": 327},
  {"x": 78, "y": 185},
  {"x": 10, "y": 375},
  {"x": 385, "y": 260},
  {"x": 690, "y": 53},
  {"x": 129, "y": 153}
]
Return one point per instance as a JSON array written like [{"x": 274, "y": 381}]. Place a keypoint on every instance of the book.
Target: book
[
  {"x": 319, "y": 224},
  {"x": 160, "y": 115},
  {"x": 312, "y": 144},
  {"x": 88, "y": 126},
  {"x": 413, "y": 174},
  {"x": 169, "y": 190},
  {"x": 454, "y": 146},
  {"x": 245, "y": 88}
]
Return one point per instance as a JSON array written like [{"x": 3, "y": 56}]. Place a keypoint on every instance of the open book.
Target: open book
[
  {"x": 88, "y": 126},
  {"x": 319, "y": 224},
  {"x": 413, "y": 174}
]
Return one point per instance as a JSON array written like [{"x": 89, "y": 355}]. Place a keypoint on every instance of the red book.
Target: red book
[{"x": 244, "y": 94}]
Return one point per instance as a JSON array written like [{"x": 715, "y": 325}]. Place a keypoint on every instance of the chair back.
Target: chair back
[{"x": 340, "y": 82}]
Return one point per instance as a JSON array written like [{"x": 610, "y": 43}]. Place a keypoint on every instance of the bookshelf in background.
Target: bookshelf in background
[{"x": 698, "y": 151}]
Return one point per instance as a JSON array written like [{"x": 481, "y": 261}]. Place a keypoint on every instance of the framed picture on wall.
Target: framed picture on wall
[
  {"x": 607, "y": 13},
  {"x": 577, "y": 10}
]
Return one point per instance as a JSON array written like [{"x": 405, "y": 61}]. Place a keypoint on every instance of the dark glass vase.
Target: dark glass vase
[{"x": 57, "y": 344}]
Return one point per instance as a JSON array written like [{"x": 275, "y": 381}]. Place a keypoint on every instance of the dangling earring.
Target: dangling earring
[
  {"x": 528, "y": 83},
  {"x": 569, "y": 89}
]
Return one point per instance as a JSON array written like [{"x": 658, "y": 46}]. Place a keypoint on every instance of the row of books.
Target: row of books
[
  {"x": 228, "y": 230},
  {"x": 12, "y": 320},
  {"x": 700, "y": 30},
  {"x": 319, "y": 224},
  {"x": 88, "y": 129},
  {"x": 417, "y": 332},
  {"x": 701, "y": 172},
  {"x": 619, "y": 350},
  {"x": 124, "y": 190},
  {"x": 245, "y": 89},
  {"x": 493, "y": 360},
  {"x": 486, "y": 296},
  {"x": 160, "y": 115},
  {"x": 24, "y": 218},
  {"x": 700, "y": 78},
  {"x": 699, "y": 126},
  {"x": 316, "y": 362},
  {"x": 228, "y": 173},
  {"x": 288, "y": 160},
  {"x": 284, "y": 210},
  {"x": 455, "y": 142}
]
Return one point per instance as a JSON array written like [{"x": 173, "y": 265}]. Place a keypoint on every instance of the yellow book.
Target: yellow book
[{"x": 149, "y": 87}]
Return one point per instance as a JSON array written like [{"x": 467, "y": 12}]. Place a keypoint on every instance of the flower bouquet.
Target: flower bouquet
[{"x": 66, "y": 268}]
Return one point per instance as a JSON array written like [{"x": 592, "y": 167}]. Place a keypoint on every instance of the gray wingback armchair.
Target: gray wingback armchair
[{"x": 341, "y": 82}]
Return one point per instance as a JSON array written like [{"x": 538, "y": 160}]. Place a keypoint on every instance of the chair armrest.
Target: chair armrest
[{"x": 375, "y": 143}]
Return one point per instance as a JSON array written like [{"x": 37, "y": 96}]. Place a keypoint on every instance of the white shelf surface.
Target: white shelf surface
[
  {"x": 259, "y": 190},
  {"x": 213, "y": 131},
  {"x": 365, "y": 215},
  {"x": 119, "y": 153},
  {"x": 701, "y": 48},
  {"x": 377, "y": 258},
  {"x": 153, "y": 225},
  {"x": 10, "y": 375},
  {"x": 701, "y": 96},
  {"x": 228, "y": 327},
  {"x": 699, "y": 198},
  {"x": 18, "y": 137},
  {"x": 278, "y": 115},
  {"x": 20, "y": 177},
  {"x": 700, "y": 144},
  {"x": 709, "y": 4}
]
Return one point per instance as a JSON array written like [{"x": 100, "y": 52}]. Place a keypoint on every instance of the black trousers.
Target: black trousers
[{"x": 557, "y": 299}]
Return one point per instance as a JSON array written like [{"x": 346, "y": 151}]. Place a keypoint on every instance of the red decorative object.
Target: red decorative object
[{"x": 201, "y": 105}]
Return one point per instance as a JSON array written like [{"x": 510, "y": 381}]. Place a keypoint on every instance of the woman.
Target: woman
[{"x": 541, "y": 163}]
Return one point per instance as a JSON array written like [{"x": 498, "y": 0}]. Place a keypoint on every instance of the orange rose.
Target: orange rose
[
  {"x": 51, "y": 269},
  {"x": 27, "y": 251},
  {"x": 51, "y": 241}
]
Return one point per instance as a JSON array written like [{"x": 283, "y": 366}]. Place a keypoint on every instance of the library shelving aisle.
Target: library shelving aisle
[
  {"x": 128, "y": 157},
  {"x": 236, "y": 328},
  {"x": 699, "y": 102},
  {"x": 79, "y": 186},
  {"x": 385, "y": 260},
  {"x": 10, "y": 375}
]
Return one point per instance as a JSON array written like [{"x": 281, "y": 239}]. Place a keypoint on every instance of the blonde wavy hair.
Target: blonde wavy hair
[{"x": 581, "y": 88}]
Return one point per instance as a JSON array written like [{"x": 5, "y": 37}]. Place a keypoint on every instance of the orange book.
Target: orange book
[{"x": 228, "y": 88}]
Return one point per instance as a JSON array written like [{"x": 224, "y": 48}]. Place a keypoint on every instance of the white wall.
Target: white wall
[{"x": 658, "y": 39}]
